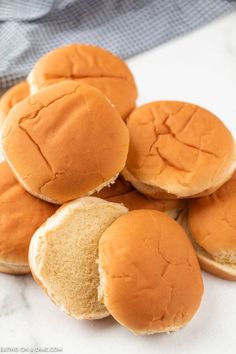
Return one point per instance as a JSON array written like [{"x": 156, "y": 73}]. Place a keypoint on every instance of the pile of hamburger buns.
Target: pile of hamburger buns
[{"x": 112, "y": 207}]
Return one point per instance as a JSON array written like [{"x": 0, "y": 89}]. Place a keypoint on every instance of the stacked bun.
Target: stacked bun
[
  {"x": 64, "y": 142},
  {"x": 63, "y": 255},
  {"x": 175, "y": 152},
  {"x": 146, "y": 284},
  {"x": 14, "y": 95},
  {"x": 75, "y": 138},
  {"x": 211, "y": 224},
  {"x": 20, "y": 216},
  {"x": 90, "y": 65}
]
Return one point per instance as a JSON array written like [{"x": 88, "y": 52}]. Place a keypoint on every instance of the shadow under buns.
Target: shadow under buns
[
  {"x": 174, "y": 149},
  {"x": 149, "y": 273},
  {"x": 123, "y": 192},
  {"x": 211, "y": 222},
  {"x": 65, "y": 142},
  {"x": 63, "y": 255},
  {"x": 91, "y": 65},
  {"x": 11, "y": 97},
  {"x": 20, "y": 215}
]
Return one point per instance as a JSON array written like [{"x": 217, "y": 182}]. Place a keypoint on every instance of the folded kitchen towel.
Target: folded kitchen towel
[{"x": 30, "y": 28}]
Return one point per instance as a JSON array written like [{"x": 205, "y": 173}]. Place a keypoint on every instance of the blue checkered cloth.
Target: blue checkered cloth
[{"x": 30, "y": 28}]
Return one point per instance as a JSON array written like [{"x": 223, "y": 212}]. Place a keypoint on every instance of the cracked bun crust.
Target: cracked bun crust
[
  {"x": 175, "y": 151},
  {"x": 123, "y": 192},
  {"x": 20, "y": 216},
  {"x": 10, "y": 98},
  {"x": 150, "y": 280},
  {"x": 63, "y": 255},
  {"x": 212, "y": 224},
  {"x": 90, "y": 65},
  {"x": 64, "y": 142}
]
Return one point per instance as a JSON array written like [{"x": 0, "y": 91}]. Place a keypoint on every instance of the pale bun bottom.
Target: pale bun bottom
[
  {"x": 164, "y": 330},
  {"x": 63, "y": 255},
  {"x": 156, "y": 192},
  {"x": 222, "y": 270},
  {"x": 92, "y": 316}
]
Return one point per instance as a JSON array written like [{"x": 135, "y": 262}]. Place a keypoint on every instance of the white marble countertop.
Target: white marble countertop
[{"x": 200, "y": 68}]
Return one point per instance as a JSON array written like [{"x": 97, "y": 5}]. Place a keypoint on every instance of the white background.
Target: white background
[{"x": 200, "y": 68}]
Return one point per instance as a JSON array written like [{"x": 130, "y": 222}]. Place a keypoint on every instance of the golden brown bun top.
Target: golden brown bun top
[
  {"x": 20, "y": 216},
  {"x": 212, "y": 220},
  {"x": 92, "y": 65},
  {"x": 176, "y": 146},
  {"x": 123, "y": 192},
  {"x": 10, "y": 98},
  {"x": 79, "y": 61},
  {"x": 65, "y": 141},
  {"x": 150, "y": 272}
]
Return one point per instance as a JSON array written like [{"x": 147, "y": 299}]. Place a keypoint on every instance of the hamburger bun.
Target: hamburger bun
[
  {"x": 63, "y": 255},
  {"x": 64, "y": 142},
  {"x": 150, "y": 280},
  {"x": 90, "y": 65},
  {"x": 10, "y": 98},
  {"x": 123, "y": 192},
  {"x": 221, "y": 270},
  {"x": 211, "y": 222},
  {"x": 20, "y": 216},
  {"x": 175, "y": 152}
]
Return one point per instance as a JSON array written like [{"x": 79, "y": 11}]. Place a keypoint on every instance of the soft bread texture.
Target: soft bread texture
[
  {"x": 225, "y": 271},
  {"x": 212, "y": 224},
  {"x": 158, "y": 193},
  {"x": 20, "y": 216},
  {"x": 150, "y": 277},
  {"x": 123, "y": 192},
  {"x": 65, "y": 142},
  {"x": 90, "y": 65},
  {"x": 174, "y": 150},
  {"x": 63, "y": 255},
  {"x": 10, "y": 98}
]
